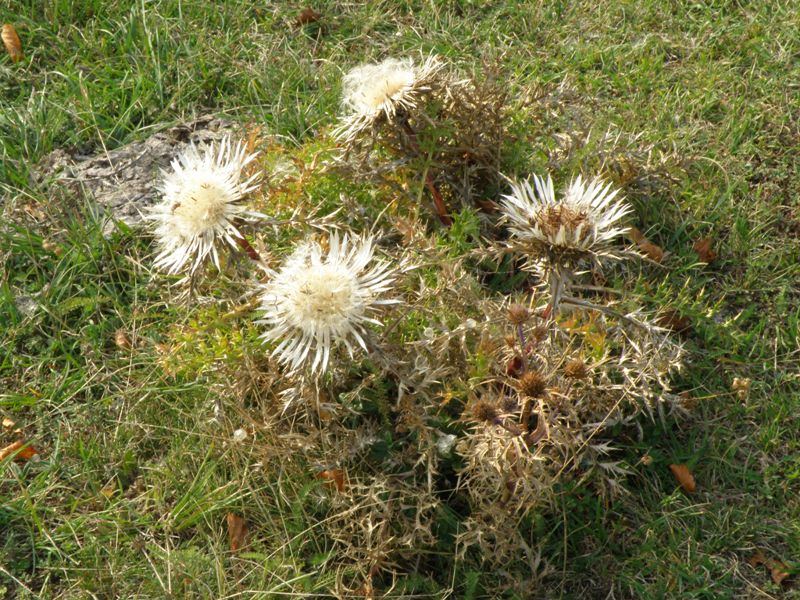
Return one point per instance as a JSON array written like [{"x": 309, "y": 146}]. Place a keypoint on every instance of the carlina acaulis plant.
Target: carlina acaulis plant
[
  {"x": 388, "y": 93},
  {"x": 202, "y": 206}
]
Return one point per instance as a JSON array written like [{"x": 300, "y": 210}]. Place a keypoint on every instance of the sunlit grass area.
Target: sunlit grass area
[{"x": 160, "y": 419}]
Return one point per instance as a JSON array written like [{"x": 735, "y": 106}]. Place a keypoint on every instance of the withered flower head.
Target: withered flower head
[
  {"x": 576, "y": 369},
  {"x": 375, "y": 92},
  {"x": 532, "y": 384},
  {"x": 484, "y": 411},
  {"x": 518, "y": 314}
]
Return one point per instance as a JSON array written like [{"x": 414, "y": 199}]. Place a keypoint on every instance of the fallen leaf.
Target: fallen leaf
[
  {"x": 741, "y": 385},
  {"x": 12, "y": 42},
  {"x": 672, "y": 319},
  {"x": 684, "y": 477},
  {"x": 108, "y": 491},
  {"x": 687, "y": 401},
  {"x": 8, "y": 423},
  {"x": 653, "y": 251},
  {"x": 306, "y": 16},
  {"x": 757, "y": 559},
  {"x": 777, "y": 569},
  {"x": 704, "y": 250},
  {"x": 237, "y": 531},
  {"x": 253, "y": 138},
  {"x": 122, "y": 340},
  {"x": 333, "y": 475},
  {"x": 20, "y": 450}
]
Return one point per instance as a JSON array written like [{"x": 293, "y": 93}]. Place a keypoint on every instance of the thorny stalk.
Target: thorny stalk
[{"x": 438, "y": 201}]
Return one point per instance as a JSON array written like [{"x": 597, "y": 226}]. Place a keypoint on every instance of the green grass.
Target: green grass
[{"x": 130, "y": 495}]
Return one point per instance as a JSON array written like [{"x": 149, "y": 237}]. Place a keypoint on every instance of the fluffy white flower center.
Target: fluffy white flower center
[
  {"x": 200, "y": 207},
  {"x": 387, "y": 88},
  {"x": 325, "y": 294}
]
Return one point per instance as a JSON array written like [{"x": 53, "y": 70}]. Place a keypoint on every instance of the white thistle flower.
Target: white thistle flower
[
  {"x": 316, "y": 301},
  {"x": 580, "y": 223},
  {"x": 201, "y": 203},
  {"x": 372, "y": 92}
]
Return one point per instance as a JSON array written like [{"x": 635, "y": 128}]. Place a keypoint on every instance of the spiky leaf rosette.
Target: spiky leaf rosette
[
  {"x": 375, "y": 93},
  {"x": 562, "y": 231},
  {"x": 317, "y": 300},
  {"x": 201, "y": 204}
]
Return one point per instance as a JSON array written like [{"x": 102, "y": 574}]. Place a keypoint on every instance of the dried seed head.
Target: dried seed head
[
  {"x": 532, "y": 384},
  {"x": 576, "y": 369},
  {"x": 518, "y": 314},
  {"x": 539, "y": 333},
  {"x": 510, "y": 341},
  {"x": 484, "y": 411}
]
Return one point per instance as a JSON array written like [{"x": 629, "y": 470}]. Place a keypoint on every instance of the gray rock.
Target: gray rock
[{"x": 123, "y": 181}]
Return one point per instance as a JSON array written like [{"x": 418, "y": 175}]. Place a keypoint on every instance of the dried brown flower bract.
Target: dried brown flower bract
[
  {"x": 532, "y": 385},
  {"x": 518, "y": 314},
  {"x": 576, "y": 369},
  {"x": 484, "y": 411}
]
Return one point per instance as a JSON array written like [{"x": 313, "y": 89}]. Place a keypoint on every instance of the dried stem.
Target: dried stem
[
  {"x": 249, "y": 250},
  {"x": 438, "y": 201},
  {"x": 607, "y": 311}
]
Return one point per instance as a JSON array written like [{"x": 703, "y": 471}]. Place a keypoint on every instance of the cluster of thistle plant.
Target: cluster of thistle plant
[
  {"x": 451, "y": 129},
  {"x": 495, "y": 405}
]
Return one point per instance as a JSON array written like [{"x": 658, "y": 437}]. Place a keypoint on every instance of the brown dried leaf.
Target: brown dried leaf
[
  {"x": 684, "y": 477},
  {"x": 741, "y": 385},
  {"x": 688, "y": 401},
  {"x": 306, "y": 16},
  {"x": 704, "y": 251},
  {"x": 237, "y": 531},
  {"x": 12, "y": 42},
  {"x": 778, "y": 570},
  {"x": 757, "y": 559},
  {"x": 21, "y": 451},
  {"x": 653, "y": 251},
  {"x": 253, "y": 138},
  {"x": 672, "y": 319},
  {"x": 122, "y": 340},
  {"x": 333, "y": 475}
]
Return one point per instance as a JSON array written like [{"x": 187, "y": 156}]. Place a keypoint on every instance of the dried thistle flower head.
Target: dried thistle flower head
[
  {"x": 581, "y": 223},
  {"x": 373, "y": 92},
  {"x": 518, "y": 314},
  {"x": 484, "y": 411},
  {"x": 316, "y": 300},
  {"x": 576, "y": 369},
  {"x": 201, "y": 204},
  {"x": 532, "y": 384}
]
